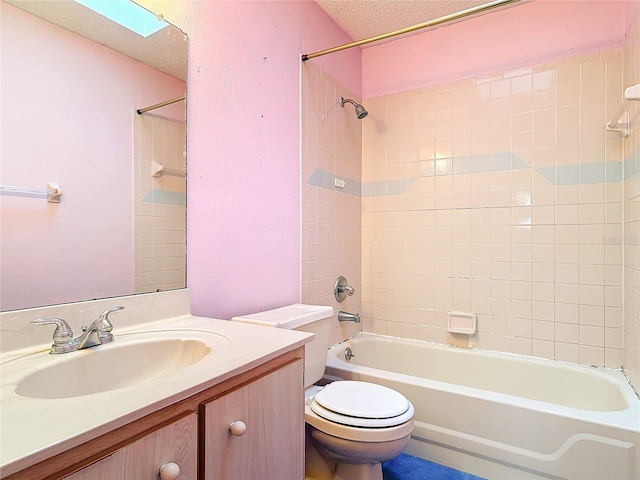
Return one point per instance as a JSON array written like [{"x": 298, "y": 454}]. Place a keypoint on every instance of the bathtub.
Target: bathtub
[{"x": 504, "y": 416}]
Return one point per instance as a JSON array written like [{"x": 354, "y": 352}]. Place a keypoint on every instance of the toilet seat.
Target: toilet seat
[
  {"x": 358, "y": 434},
  {"x": 361, "y": 422},
  {"x": 362, "y": 404}
]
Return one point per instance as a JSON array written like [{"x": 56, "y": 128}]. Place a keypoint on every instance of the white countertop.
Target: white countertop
[{"x": 35, "y": 429}]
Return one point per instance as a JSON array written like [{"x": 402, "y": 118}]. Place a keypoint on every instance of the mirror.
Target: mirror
[{"x": 72, "y": 81}]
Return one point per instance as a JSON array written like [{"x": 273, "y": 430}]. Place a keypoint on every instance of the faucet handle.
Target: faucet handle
[
  {"x": 104, "y": 317},
  {"x": 62, "y": 335},
  {"x": 342, "y": 288},
  {"x": 347, "y": 289},
  {"x": 104, "y": 325}
]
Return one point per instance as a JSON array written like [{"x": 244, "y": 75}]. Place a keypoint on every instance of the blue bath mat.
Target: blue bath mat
[{"x": 406, "y": 467}]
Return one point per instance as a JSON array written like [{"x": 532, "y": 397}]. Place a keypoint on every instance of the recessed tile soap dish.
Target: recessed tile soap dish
[{"x": 461, "y": 322}]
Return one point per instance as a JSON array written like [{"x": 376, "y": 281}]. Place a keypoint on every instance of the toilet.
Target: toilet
[{"x": 352, "y": 426}]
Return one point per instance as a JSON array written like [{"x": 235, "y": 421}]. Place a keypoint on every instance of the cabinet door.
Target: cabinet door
[
  {"x": 272, "y": 447},
  {"x": 142, "y": 459}
]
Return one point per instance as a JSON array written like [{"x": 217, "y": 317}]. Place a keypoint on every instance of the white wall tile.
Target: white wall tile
[
  {"x": 333, "y": 237},
  {"x": 501, "y": 225}
]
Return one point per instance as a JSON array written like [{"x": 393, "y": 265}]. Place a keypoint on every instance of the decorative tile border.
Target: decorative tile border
[
  {"x": 587, "y": 173},
  {"x": 166, "y": 196},
  {"x": 324, "y": 179},
  {"x": 604, "y": 172},
  {"x": 632, "y": 163}
]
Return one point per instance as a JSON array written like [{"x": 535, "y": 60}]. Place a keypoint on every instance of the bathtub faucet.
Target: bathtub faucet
[
  {"x": 341, "y": 289},
  {"x": 348, "y": 317}
]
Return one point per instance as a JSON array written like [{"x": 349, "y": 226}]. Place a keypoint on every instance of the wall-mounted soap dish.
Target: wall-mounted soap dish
[{"x": 463, "y": 323}]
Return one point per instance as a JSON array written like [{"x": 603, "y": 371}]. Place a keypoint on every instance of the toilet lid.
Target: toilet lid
[{"x": 362, "y": 404}]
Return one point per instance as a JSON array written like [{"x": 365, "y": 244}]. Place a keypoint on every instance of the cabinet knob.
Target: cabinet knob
[
  {"x": 238, "y": 428},
  {"x": 169, "y": 471}
]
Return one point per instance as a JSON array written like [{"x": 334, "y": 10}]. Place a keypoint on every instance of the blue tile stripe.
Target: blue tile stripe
[
  {"x": 390, "y": 187},
  {"x": 588, "y": 173},
  {"x": 324, "y": 179},
  {"x": 605, "y": 172},
  {"x": 166, "y": 196},
  {"x": 631, "y": 164}
]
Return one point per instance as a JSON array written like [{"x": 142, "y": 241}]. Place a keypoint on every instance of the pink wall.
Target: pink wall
[
  {"x": 525, "y": 34},
  {"x": 632, "y": 9},
  {"x": 243, "y": 118},
  {"x": 67, "y": 109},
  {"x": 243, "y": 184}
]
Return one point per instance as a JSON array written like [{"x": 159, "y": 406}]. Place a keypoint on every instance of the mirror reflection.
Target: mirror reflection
[{"x": 69, "y": 102}]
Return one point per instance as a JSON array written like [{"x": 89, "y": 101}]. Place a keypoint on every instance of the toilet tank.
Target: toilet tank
[{"x": 306, "y": 318}]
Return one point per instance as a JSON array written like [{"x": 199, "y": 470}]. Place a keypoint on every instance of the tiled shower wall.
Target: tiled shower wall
[
  {"x": 331, "y": 173},
  {"x": 502, "y": 196},
  {"x": 159, "y": 204},
  {"x": 631, "y": 238}
]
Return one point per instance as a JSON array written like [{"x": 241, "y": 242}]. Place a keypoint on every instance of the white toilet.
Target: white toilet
[{"x": 354, "y": 425}]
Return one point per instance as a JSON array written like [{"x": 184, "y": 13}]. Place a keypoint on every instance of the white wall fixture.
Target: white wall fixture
[
  {"x": 158, "y": 170},
  {"x": 461, "y": 322},
  {"x": 53, "y": 191},
  {"x": 630, "y": 94}
]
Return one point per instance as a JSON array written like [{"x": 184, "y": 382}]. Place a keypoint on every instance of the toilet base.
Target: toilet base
[
  {"x": 363, "y": 471},
  {"x": 317, "y": 467},
  {"x": 332, "y": 458}
]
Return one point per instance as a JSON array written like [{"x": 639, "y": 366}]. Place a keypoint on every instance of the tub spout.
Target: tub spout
[{"x": 348, "y": 317}]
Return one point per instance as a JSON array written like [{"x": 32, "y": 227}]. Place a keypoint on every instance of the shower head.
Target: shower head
[{"x": 360, "y": 110}]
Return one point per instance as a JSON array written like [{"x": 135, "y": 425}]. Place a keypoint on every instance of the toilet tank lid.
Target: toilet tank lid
[{"x": 289, "y": 317}]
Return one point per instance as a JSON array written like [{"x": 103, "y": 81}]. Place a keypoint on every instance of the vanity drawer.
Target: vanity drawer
[{"x": 143, "y": 459}]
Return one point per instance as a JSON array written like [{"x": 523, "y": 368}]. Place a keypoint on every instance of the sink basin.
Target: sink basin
[{"x": 108, "y": 367}]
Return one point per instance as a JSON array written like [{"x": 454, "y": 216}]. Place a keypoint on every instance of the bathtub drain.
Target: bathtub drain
[{"x": 348, "y": 354}]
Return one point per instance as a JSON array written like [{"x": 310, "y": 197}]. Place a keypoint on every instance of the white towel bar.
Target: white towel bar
[{"x": 630, "y": 94}]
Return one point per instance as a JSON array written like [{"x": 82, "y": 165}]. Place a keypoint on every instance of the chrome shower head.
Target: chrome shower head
[{"x": 361, "y": 112}]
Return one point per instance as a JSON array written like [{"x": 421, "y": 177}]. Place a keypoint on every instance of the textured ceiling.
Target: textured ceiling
[
  {"x": 165, "y": 50},
  {"x": 366, "y": 18}
]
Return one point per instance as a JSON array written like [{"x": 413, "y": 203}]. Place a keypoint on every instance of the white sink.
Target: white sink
[
  {"x": 131, "y": 377},
  {"x": 129, "y": 360}
]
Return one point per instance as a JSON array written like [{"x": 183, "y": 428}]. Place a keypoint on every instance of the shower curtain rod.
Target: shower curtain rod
[
  {"x": 161, "y": 104},
  {"x": 430, "y": 23}
]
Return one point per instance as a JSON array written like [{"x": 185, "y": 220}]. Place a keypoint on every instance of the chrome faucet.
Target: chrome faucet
[
  {"x": 348, "y": 317},
  {"x": 98, "y": 333}
]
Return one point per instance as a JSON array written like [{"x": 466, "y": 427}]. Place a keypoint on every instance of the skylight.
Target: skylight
[{"x": 128, "y": 14}]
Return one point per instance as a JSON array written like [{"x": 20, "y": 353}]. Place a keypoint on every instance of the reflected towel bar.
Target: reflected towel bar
[
  {"x": 630, "y": 94},
  {"x": 158, "y": 170},
  {"x": 53, "y": 191},
  {"x": 161, "y": 104}
]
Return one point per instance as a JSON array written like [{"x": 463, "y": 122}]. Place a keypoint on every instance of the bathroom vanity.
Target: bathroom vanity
[
  {"x": 274, "y": 426},
  {"x": 235, "y": 413}
]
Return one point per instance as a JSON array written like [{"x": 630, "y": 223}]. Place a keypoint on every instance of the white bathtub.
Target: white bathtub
[{"x": 503, "y": 416}]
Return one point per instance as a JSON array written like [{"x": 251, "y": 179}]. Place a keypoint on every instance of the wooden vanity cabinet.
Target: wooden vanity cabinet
[
  {"x": 196, "y": 434},
  {"x": 142, "y": 459},
  {"x": 255, "y": 432}
]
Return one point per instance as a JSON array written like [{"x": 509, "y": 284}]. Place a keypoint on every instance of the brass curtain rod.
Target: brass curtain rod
[
  {"x": 430, "y": 23},
  {"x": 161, "y": 104}
]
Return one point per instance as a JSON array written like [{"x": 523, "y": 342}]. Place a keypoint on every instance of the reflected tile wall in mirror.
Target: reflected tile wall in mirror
[{"x": 159, "y": 204}]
